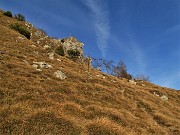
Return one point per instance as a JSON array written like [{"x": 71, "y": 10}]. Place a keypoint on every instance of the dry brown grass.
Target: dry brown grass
[{"x": 87, "y": 102}]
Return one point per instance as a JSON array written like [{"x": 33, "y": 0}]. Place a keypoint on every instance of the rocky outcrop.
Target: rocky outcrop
[
  {"x": 72, "y": 43},
  {"x": 159, "y": 94},
  {"x": 39, "y": 38}
]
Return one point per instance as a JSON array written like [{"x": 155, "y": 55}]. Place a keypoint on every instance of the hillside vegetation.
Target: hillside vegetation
[{"x": 33, "y": 101}]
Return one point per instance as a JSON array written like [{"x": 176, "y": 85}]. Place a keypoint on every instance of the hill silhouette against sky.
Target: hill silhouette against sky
[{"x": 143, "y": 33}]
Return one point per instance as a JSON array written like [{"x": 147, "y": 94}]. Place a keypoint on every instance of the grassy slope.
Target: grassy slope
[{"x": 93, "y": 103}]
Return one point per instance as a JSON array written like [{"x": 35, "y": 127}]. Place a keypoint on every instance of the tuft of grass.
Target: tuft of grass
[
  {"x": 48, "y": 123},
  {"x": 41, "y": 104},
  {"x": 161, "y": 120},
  {"x": 144, "y": 106},
  {"x": 11, "y": 127},
  {"x": 104, "y": 126}
]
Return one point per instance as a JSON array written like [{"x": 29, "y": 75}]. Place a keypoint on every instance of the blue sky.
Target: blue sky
[{"x": 145, "y": 34}]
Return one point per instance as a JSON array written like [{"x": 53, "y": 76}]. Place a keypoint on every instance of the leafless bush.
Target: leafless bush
[
  {"x": 120, "y": 71},
  {"x": 142, "y": 77}
]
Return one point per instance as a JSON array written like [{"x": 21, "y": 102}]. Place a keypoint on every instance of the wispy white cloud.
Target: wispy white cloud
[
  {"x": 139, "y": 57},
  {"x": 133, "y": 52},
  {"x": 138, "y": 53},
  {"x": 170, "y": 80},
  {"x": 101, "y": 22}
]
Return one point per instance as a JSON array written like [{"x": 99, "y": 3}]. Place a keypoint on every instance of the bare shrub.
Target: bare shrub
[
  {"x": 120, "y": 71},
  {"x": 142, "y": 77}
]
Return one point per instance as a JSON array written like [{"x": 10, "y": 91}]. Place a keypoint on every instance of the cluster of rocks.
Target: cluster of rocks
[
  {"x": 137, "y": 82},
  {"x": 159, "y": 94},
  {"x": 101, "y": 76},
  {"x": 43, "y": 65},
  {"x": 40, "y": 65},
  {"x": 39, "y": 33},
  {"x": 28, "y": 25}
]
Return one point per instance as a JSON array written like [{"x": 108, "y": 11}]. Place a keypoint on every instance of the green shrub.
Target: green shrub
[
  {"x": 73, "y": 54},
  {"x": 60, "y": 51},
  {"x": 21, "y": 30},
  {"x": 19, "y": 17},
  {"x": 8, "y": 13}
]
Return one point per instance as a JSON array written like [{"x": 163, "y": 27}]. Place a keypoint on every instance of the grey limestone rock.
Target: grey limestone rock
[
  {"x": 132, "y": 82},
  {"x": 164, "y": 98},
  {"x": 41, "y": 65},
  {"x": 59, "y": 75}
]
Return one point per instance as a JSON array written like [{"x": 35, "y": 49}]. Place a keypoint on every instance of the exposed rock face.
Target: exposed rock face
[
  {"x": 39, "y": 37},
  {"x": 59, "y": 74},
  {"x": 72, "y": 43}
]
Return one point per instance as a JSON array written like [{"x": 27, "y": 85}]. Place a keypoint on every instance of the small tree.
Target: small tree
[
  {"x": 120, "y": 71},
  {"x": 8, "y": 13},
  {"x": 108, "y": 65},
  {"x": 104, "y": 64},
  {"x": 19, "y": 17}
]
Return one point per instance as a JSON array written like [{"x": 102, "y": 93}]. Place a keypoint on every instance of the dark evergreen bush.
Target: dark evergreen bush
[
  {"x": 8, "y": 13},
  {"x": 21, "y": 30},
  {"x": 60, "y": 51},
  {"x": 19, "y": 17},
  {"x": 73, "y": 54}
]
